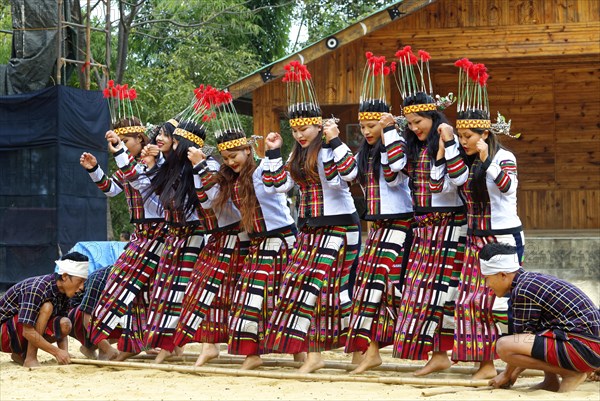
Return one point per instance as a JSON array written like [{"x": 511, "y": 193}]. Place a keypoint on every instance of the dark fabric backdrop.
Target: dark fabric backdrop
[{"x": 47, "y": 201}]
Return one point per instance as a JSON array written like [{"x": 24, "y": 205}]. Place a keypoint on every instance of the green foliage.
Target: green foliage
[
  {"x": 5, "y": 38},
  {"x": 325, "y": 17}
]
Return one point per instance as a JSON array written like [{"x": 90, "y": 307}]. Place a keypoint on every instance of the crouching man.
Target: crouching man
[
  {"x": 33, "y": 312},
  {"x": 556, "y": 327}
]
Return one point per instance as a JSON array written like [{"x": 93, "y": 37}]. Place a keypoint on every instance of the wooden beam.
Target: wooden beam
[
  {"x": 319, "y": 49},
  {"x": 550, "y": 40}
]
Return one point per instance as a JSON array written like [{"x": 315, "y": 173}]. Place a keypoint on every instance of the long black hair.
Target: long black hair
[
  {"x": 173, "y": 182},
  {"x": 368, "y": 152},
  {"x": 413, "y": 144},
  {"x": 477, "y": 185}
]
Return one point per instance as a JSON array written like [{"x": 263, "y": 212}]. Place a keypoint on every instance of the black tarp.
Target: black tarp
[
  {"x": 47, "y": 201},
  {"x": 32, "y": 65}
]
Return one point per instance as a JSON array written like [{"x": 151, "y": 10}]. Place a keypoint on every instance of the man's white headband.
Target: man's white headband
[
  {"x": 499, "y": 263},
  {"x": 78, "y": 269}
]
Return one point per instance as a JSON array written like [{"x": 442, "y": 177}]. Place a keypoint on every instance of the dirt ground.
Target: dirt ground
[{"x": 85, "y": 382}]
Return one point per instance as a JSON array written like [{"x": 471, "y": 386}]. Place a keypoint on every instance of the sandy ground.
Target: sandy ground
[{"x": 84, "y": 382}]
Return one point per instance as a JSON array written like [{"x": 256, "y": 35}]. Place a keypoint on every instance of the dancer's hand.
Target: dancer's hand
[
  {"x": 330, "y": 130},
  {"x": 88, "y": 160},
  {"x": 195, "y": 155},
  {"x": 114, "y": 142},
  {"x": 273, "y": 141},
  {"x": 482, "y": 148}
]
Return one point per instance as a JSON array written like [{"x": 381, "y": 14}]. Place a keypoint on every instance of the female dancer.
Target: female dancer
[
  {"x": 314, "y": 306},
  {"x": 491, "y": 196},
  {"x": 376, "y": 297},
  {"x": 207, "y": 301},
  {"x": 267, "y": 220},
  {"x": 186, "y": 224},
  {"x": 123, "y": 295},
  {"x": 436, "y": 171}
]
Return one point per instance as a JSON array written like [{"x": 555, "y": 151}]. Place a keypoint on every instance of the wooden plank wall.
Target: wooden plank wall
[{"x": 543, "y": 57}]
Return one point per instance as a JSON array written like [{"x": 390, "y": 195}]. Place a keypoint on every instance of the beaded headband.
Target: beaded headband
[
  {"x": 136, "y": 129},
  {"x": 369, "y": 115},
  {"x": 298, "y": 122},
  {"x": 189, "y": 136},
  {"x": 232, "y": 144}
]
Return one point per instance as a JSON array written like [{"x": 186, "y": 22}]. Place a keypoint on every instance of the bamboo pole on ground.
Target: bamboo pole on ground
[
  {"x": 278, "y": 362},
  {"x": 414, "y": 381},
  {"x": 438, "y": 391}
]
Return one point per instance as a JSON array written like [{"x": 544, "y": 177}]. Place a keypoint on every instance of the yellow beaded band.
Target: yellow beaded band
[
  {"x": 189, "y": 136},
  {"x": 415, "y": 108},
  {"x": 136, "y": 129},
  {"x": 173, "y": 122},
  {"x": 369, "y": 115},
  {"x": 234, "y": 143},
  {"x": 298, "y": 122},
  {"x": 482, "y": 124}
]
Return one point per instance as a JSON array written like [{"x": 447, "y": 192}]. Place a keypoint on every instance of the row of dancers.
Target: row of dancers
[{"x": 216, "y": 256}]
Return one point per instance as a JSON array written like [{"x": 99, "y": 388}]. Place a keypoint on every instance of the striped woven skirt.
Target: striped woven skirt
[
  {"x": 182, "y": 246},
  {"x": 207, "y": 302},
  {"x": 313, "y": 311},
  {"x": 13, "y": 341},
  {"x": 79, "y": 331},
  {"x": 131, "y": 273},
  {"x": 430, "y": 285},
  {"x": 257, "y": 291},
  {"x": 376, "y": 298},
  {"x": 477, "y": 308}
]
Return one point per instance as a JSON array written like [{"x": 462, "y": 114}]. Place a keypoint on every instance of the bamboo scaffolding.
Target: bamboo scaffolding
[
  {"x": 414, "y": 381},
  {"x": 439, "y": 391},
  {"x": 275, "y": 362}
]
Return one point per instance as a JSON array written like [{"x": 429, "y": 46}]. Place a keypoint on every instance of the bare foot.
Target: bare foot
[
  {"x": 17, "y": 358},
  {"x": 89, "y": 353},
  {"x": 594, "y": 376},
  {"x": 439, "y": 361},
  {"x": 252, "y": 362},
  {"x": 209, "y": 351},
  {"x": 368, "y": 362},
  {"x": 571, "y": 382},
  {"x": 550, "y": 383},
  {"x": 314, "y": 361},
  {"x": 162, "y": 355},
  {"x": 357, "y": 357},
  {"x": 31, "y": 363},
  {"x": 153, "y": 351},
  {"x": 300, "y": 357},
  {"x": 124, "y": 355},
  {"x": 106, "y": 352},
  {"x": 486, "y": 370},
  {"x": 178, "y": 351}
]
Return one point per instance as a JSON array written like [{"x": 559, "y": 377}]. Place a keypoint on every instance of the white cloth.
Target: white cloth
[
  {"x": 78, "y": 269},
  {"x": 499, "y": 263}
]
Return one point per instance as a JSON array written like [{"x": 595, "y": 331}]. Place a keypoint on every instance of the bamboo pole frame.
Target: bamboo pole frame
[
  {"x": 414, "y": 381},
  {"x": 278, "y": 362},
  {"x": 438, "y": 391}
]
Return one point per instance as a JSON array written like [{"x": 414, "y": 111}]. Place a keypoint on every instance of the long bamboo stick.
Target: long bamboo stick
[
  {"x": 438, "y": 391},
  {"x": 415, "y": 381},
  {"x": 278, "y": 362}
]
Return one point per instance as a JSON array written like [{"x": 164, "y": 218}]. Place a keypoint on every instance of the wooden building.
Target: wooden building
[{"x": 543, "y": 57}]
